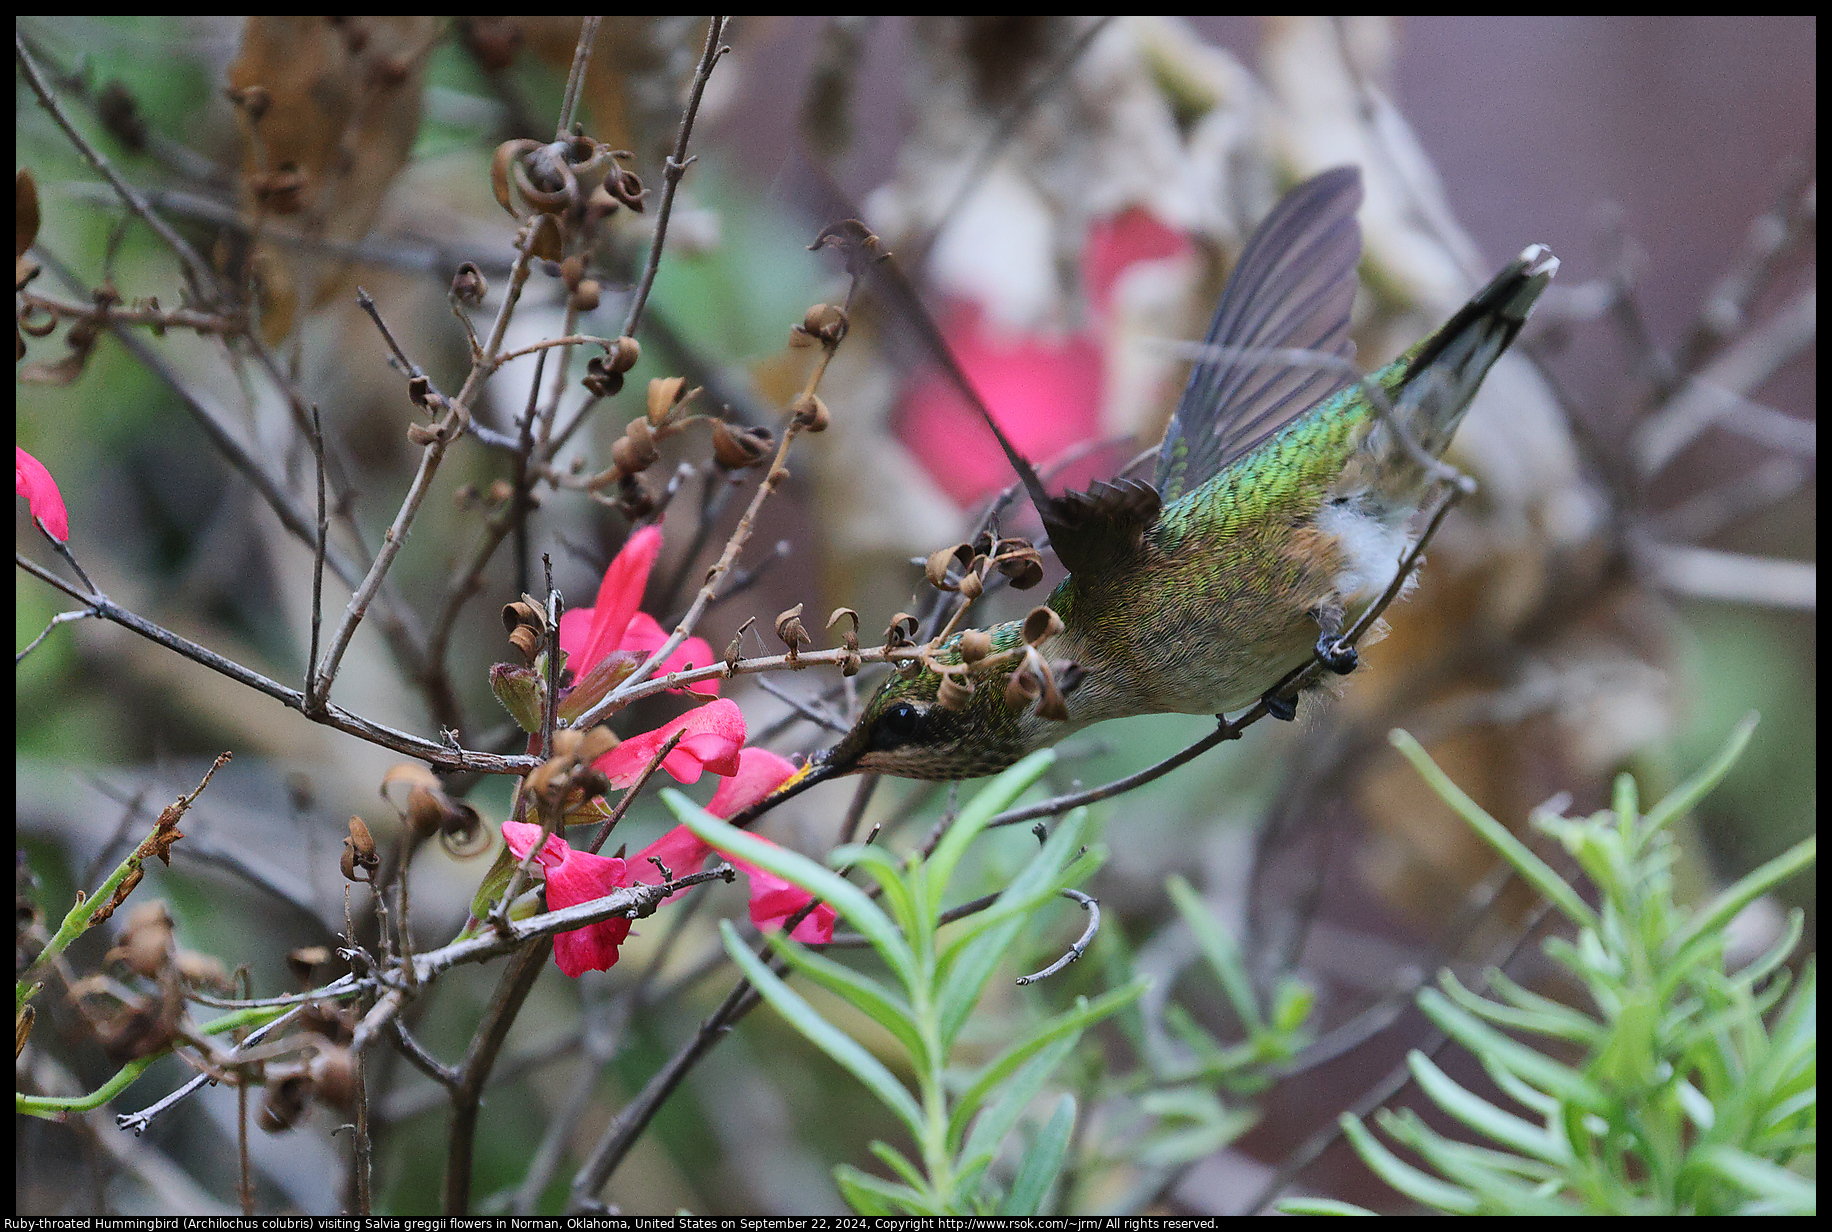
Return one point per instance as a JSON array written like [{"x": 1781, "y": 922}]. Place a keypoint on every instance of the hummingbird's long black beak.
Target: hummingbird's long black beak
[{"x": 827, "y": 764}]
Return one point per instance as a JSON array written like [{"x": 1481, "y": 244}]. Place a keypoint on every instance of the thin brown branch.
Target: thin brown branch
[{"x": 673, "y": 169}]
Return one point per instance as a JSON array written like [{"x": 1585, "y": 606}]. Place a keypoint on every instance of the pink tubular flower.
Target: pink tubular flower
[
  {"x": 32, "y": 481},
  {"x": 579, "y": 877},
  {"x": 613, "y": 623},
  {"x": 714, "y": 734}
]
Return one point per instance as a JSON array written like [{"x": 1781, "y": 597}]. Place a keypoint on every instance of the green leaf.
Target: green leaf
[
  {"x": 1219, "y": 949},
  {"x": 1745, "y": 890},
  {"x": 991, "y": 1126},
  {"x": 1680, "y": 800},
  {"x": 1042, "y": 1162},
  {"x": 824, "y": 1035},
  {"x": 869, "y": 1195},
  {"x": 1485, "y": 1118},
  {"x": 1495, "y": 1049},
  {"x": 1203, "y": 1126},
  {"x": 900, "y": 1163},
  {"x": 842, "y": 895},
  {"x": 988, "y": 802},
  {"x": 1319, "y": 1206},
  {"x": 882, "y": 867},
  {"x": 1074, "y": 1020},
  {"x": 1784, "y": 1192},
  {"x": 868, "y": 996},
  {"x": 1417, "y": 1185},
  {"x": 1537, "y": 872},
  {"x": 963, "y": 970}
]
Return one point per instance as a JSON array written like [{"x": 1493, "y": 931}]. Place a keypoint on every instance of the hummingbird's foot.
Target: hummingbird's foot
[
  {"x": 1284, "y": 709},
  {"x": 1334, "y": 655}
]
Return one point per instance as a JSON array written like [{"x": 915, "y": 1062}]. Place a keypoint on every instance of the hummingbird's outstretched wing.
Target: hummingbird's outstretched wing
[
  {"x": 1086, "y": 529},
  {"x": 1291, "y": 290}
]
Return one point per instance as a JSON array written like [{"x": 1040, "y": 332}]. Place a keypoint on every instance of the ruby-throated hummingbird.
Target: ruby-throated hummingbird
[{"x": 1278, "y": 511}]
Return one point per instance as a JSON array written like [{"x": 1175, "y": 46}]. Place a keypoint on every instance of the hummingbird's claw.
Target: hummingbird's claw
[
  {"x": 1284, "y": 709},
  {"x": 1334, "y": 655}
]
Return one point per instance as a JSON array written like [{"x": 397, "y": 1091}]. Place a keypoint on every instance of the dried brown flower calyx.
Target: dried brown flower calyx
[
  {"x": 736, "y": 448},
  {"x": 359, "y": 856},
  {"x": 851, "y": 664},
  {"x": 793, "y": 633}
]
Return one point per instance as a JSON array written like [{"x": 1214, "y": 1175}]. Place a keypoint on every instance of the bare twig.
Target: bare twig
[{"x": 672, "y": 171}]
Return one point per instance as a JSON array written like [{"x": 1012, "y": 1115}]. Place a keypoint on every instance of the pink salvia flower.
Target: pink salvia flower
[
  {"x": 613, "y": 623},
  {"x": 32, "y": 481},
  {"x": 714, "y": 734},
  {"x": 575, "y": 876}
]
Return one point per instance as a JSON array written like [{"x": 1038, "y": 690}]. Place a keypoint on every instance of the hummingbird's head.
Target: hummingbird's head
[{"x": 942, "y": 718}]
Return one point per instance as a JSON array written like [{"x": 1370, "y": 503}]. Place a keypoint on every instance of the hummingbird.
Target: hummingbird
[{"x": 1278, "y": 511}]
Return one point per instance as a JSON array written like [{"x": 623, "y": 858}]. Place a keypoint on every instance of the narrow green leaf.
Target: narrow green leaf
[
  {"x": 1219, "y": 948},
  {"x": 1042, "y": 1163},
  {"x": 882, "y": 867},
  {"x": 1076, "y": 1019},
  {"x": 1319, "y": 1206},
  {"x": 1485, "y": 1118},
  {"x": 868, "y": 996},
  {"x": 1537, "y": 872},
  {"x": 869, "y": 1195},
  {"x": 842, "y": 895},
  {"x": 900, "y": 1163},
  {"x": 1745, "y": 890},
  {"x": 988, "y": 802},
  {"x": 1495, "y": 1049},
  {"x": 823, "y": 1034},
  {"x": 991, "y": 1126},
  {"x": 1787, "y": 1192},
  {"x": 1419, "y": 1186},
  {"x": 1681, "y": 799}
]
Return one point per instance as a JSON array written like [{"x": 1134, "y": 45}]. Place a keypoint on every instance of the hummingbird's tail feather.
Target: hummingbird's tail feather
[{"x": 1445, "y": 371}]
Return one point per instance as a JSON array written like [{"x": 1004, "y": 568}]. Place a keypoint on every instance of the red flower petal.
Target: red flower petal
[
  {"x": 714, "y": 735},
  {"x": 774, "y": 900},
  {"x": 619, "y": 595},
  {"x": 32, "y": 481},
  {"x": 645, "y": 636},
  {"x": 575, "y": 877},
  {"x": 759, "y": 772}
]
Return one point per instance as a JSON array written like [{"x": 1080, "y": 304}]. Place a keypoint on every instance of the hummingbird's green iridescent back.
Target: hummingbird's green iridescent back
[{"x": 1279, "y": 510}]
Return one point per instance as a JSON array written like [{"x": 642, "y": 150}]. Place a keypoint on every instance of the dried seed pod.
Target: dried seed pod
[
  {"x": 971, "y": 587},
  {"x": 302, "y": 961},
  {"x": 585, "y": 296},
  {"x": 1040, "y": 623},
  {"x": 810, "y": 413},
  {"x": 850, "y": 665},
  {"x": 939, "y": 563},
  {"x": 634, "y": 452},
  {"x": 572, "y": 271},
  {"x": 359, "y": 853},
  {"x": 792, "y": 632},
  {"x": 600, "y": 380},
  {"x": 469, "y": 286},
  {"x": 1022, "y": 688},
  {"x": 953, "y": 691},
  {"x": 665, "y": 393},
  {"x": 624, "y": 355},
  {"x": 737, "y": 449},
  {"x": 852, "y": 635},
  {"x": 424, "y": 434},
  {"x": 1022, "y": 566},
  {"x": 826, "y": 322},
  {"x": 1050, "y": 705},
  {"x": 333, "y": 1073},
  {"x": 901, "y": 631},
  {"x": 287, "y": 1096},
  {"x": 974, "y": 645}
]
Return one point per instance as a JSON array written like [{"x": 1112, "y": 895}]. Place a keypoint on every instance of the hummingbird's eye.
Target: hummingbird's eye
[{"x": 897, "y": 725}]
